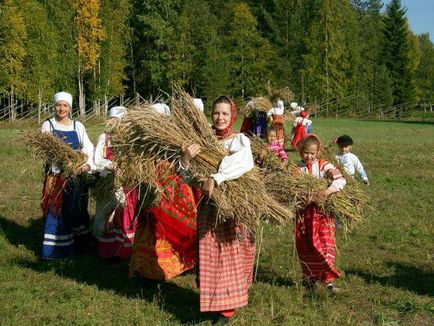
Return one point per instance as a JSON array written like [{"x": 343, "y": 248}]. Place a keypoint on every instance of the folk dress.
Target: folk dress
[
  {"x": 226, "y": 250},
  {"x": 64, "y": 200},
  {"x": 315, "y": 230}
]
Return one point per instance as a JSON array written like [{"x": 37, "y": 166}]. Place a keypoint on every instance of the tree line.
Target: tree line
[{"x": 324, "y": 50}]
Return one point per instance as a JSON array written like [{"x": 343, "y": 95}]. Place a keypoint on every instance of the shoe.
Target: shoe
[{"x": 333, "y": 289}]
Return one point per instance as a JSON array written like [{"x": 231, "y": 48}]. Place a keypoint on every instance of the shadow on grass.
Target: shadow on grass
[
  {"x": 89, "y": 269},
  {"x": 268, "y": 276},
  {"x": 406, "y": 277}
]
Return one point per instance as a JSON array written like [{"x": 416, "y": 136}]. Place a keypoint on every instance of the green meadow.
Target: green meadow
[{"x": 387, "y": 262}]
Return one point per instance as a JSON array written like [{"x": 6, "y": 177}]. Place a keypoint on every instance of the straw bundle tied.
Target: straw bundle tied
[
  {"x": 53, "y": 149},
  {"x": 157, "y": 137},
  {"x": 259, "y": 103},
  {"x": 285, "y": 94},
  {"x": 300, "y": 189}
]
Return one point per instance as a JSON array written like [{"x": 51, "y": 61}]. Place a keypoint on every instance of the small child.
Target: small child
[
  {"x": 349, "y": 161},
  {"x": 275, "y": 147},
  {"x": 300, "y": 128},
  {"x": 315, "y": 229}
]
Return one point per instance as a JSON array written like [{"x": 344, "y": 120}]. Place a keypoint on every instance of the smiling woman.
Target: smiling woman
[{"x": 65, "y": 200}]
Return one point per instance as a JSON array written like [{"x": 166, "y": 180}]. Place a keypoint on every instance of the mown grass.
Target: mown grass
[{"x": 387, "y": 262}]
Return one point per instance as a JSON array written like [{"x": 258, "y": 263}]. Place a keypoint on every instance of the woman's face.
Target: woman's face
[
  {"x": 221, "y": 116},
  {"x": 62, "y": 109}
]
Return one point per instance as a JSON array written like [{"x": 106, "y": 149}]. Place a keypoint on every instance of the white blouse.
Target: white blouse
[
  {"x": 276, "y": 111},
  {"x": 238, "y": 162},
  {"x": 303, "y": 121},
  {"x": 86, "y": 145},
  {"x": 101, "y": 164}
]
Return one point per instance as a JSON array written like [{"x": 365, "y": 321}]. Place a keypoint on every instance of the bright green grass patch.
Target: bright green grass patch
[{"x": 387, "y": 262}]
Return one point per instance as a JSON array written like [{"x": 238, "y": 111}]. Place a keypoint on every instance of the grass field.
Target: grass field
[{"x": 387, "y": 262}]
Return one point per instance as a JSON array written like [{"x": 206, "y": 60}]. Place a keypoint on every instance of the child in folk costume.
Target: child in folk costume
[
  {"x": 64, "y": 200},
  {"x": 315, "y": 230},
  {"x": 276, "y": 114},
  {"x": 115, "y": 218},
  {"x": 349, "y": 161},
  {"x": 226, "y": 250},
  {"x": 275, "y": 148},
  {"x": 165, "y": 241},
  {"x": 300, "y": 127}
]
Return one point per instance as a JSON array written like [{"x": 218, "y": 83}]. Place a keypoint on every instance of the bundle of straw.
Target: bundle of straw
[
  {"x": 311, "y": 108},
  {"x": 157, "y": 137},
  {"x": 48, "y": 147},
  {"x": 285, "y": 94},
  {"x": 259, "y": 103},
  {"x": 300, "y": 189},
  {"x": 270, "y": 161}
]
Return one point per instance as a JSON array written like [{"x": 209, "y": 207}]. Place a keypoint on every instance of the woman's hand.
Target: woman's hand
[
  {"x": 189, "y": 153},
  {"x": 85, "y": 168},
  {"x": 208, "y": 186}
]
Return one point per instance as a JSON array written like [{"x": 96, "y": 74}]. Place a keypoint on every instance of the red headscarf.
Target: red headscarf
[
  {"x": 301, "y": 142},
  {"x": 303, "y": 114},
  {"x": 223, "y": 134}
]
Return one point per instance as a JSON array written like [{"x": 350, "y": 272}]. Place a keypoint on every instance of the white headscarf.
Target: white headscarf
[
  {"x": 161, "y": 108},
  {"x": 198, "y": 103},
  {"x": 117, "y": 112},
  {"x": 63, "y": 96},
  {"x": 293, "y": 105},
  {"x": 280, "y": 105}
]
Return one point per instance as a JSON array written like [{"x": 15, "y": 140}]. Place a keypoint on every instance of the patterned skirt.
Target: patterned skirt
[
  {"x": 315, "y": 243},
  {"x": 66, "y": 226},
  {"x": 226, "y": 258}
]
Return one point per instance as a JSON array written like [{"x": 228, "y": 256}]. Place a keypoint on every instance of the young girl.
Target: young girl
[
  {"x": 115, "y": 220},
  {"x": 226, "y": 251},
  {"x": 300, "y": 127},
  {"x": 64, "y": 201},
  {"x": 275, "y": 148},
  {"x": 315, "y": 230},
  {"x": 276, "y": 114}
]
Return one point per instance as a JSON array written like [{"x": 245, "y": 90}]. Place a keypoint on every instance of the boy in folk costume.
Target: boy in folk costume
[
  {"x": 165, "y": 241},
  {"x": 226, "y": 250},
  {"x": 315, "y": 230},
  {"x": 349, "y": 161},
  {"x": 300, "y": 127},
  {"x": 276, "y": 114},
  {"x": 64, "y": 200},
  {"x": 115, "y": 219}
]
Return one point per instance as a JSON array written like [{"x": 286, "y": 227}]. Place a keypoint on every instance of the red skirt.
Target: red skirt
[
  {"x": 299, "y": 133},
  {"x": 226, "y": 258},
  {"x": 315, "y": 242},
  {"x": 118, "y": 240}
]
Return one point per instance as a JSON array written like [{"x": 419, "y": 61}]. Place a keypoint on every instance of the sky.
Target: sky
[{"x": 420, "y": 15}]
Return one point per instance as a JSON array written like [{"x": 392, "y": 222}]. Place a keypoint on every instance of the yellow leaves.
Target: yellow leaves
[{"x": 90, "y": 32}]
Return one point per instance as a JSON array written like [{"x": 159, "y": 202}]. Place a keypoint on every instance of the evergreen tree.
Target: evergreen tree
[
  {"x": 396, "y": 54},
  {"x": 250, "y": 55}
]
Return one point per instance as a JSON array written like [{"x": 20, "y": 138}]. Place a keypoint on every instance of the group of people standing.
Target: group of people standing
[{"x": 181, "y": 232}]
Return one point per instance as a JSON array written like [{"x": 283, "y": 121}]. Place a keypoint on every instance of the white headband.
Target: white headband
[
  {"x": 117, "y": 112},
  {"x": 198, "y": 103},
  {"x": 63, "y": 96},
  {"x": 161, "y": 108}
]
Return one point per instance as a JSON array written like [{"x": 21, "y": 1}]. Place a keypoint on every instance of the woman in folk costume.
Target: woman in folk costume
[
  {"x": 255, "y": 123},
  {"x": 300, "y": 126},
  {"x": 315, "y": 230},
  {"x": 276, "y": 114},
  {"x": 65, "y": 200},
  {"x": 165, "y": 240},
  {"x": 115, "y": 218},
  {"x": 226, "y": 250}
]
